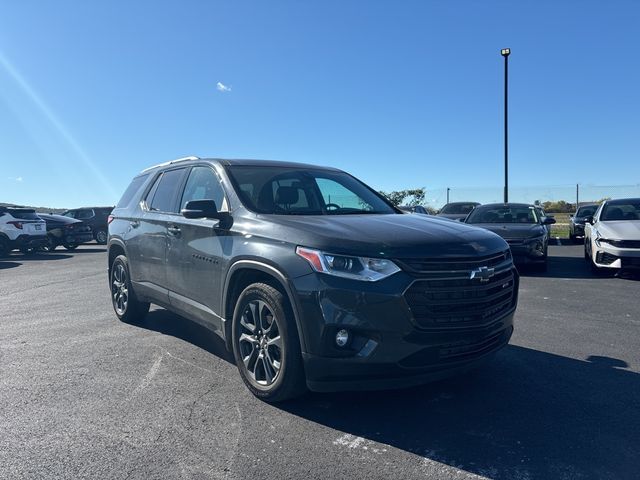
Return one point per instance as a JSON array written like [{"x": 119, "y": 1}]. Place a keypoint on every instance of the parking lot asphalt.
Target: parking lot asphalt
[{"x": 83, "y": 395}]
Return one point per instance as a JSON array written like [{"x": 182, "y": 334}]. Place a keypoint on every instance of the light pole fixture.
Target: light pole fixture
[{"x": 505, "y": 52}]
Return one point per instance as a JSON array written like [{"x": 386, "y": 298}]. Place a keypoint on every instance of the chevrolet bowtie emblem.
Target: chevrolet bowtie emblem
[{"x": 482, "y": 273}]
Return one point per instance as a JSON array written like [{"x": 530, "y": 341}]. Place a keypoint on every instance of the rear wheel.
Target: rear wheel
[
  {"x": 101, "y": 237},
  {"x": 4, "y": 247},
  {"x": 125, "y": 303},
  {"x": 28, "y": 250},
  {"x": 70, "y": 246},
  {"x": 266, "y": 345}
]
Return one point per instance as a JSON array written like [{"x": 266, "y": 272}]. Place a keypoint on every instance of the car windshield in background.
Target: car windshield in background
[
  {"x": 624, "y": 210},
  {"x": 298, "y": 191},
  {"x": 509, "y": 214},
  {"x": 586, "y": 211},
  {"x": 457, "y": 208}
]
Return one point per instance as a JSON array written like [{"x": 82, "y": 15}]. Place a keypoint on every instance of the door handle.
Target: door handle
[
  {"x": 135, "y": 223},
  {"x": 174, "y": 231}
]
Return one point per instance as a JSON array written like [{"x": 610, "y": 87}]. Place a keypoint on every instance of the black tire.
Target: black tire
[
  {"x": 283, "y": 360},
  {"x": 4, "y": 247},
  {"x": 123, "y": 299},
  {"x": 51, "y": 244},
  {"x": 101, "y": 237},
  {"x": 28, "y": 250},
  {"x": 572, "y": 237},
  {"x": 70, "y": 246}
]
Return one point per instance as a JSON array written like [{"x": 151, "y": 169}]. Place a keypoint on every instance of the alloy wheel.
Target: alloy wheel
[
  {"x": 119, "y": 289},
  {"x": 260, "y": 344}
]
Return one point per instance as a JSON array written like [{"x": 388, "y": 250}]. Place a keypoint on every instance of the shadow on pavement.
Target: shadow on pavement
[
  {"x": 5, "y": 265},
  {"x": 529, "y": 414},
  {"x": 42, "y": 256},
  {"x": 575, "y": 267},
  {"x": 169, "y": 323}
]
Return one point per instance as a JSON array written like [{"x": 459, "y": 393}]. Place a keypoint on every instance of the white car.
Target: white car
[
  {"x": 21, "y": 228},
  {"x": 612, "y": 235}
]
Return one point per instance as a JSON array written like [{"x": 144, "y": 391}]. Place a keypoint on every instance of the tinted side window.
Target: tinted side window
[
  {"x": 203, "y": 184},
  {"x": 165, "y": 192},
  {"x": 131, "y": 190},
  {"x": 84, "y": 214}
]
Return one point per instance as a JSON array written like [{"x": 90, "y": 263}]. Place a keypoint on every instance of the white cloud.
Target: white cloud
[
  {"x": 16, "y": 179},
  {"x": 222, "y": 87}
]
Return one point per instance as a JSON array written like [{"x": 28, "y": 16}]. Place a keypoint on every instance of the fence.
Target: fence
[{"x": 437, "y": 197}]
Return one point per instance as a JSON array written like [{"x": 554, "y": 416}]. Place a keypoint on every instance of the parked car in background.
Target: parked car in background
[
  {"x": 612, "y": 236},
  {"x": 522, "y": 228},
  {"x": 308, "y": 293},
  {"x": 414, "y": 209},
  {"x": 578, "y": 220},
  {"x": 457, "y": 210},
  {"x": 21, "y": 228},
  {"x": 96, "y": 217},
  {"x": 542, "y": 214},
  {"x": 65, "y": 231}
]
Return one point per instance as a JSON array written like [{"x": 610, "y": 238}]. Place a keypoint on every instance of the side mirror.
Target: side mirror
[
  {"x": 589, "y": 219},
  {"x": 548, "y": 221},
  {"x": 202, "y": 209}
]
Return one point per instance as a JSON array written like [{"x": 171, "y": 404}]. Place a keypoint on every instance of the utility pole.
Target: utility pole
[
  {"x": 577, "y": 196},
  {"x": 505, "y": 52},
  {"x": 448, "y": 194}
]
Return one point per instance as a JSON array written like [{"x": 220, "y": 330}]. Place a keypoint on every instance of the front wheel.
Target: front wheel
[
  {"x": 70, "y": 246},
  {"x": 266, "y": 345},
  {"x": 125, "y": 303}
]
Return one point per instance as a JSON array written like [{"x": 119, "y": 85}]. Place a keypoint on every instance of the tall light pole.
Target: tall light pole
[
  {"x": 505, "y": 52},
  {"x": 448, "y": 194}
]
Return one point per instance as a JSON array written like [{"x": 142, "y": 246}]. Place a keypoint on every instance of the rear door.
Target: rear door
[
  {"x": 195, "y": 251},
  {"x": 148, "y": 245}
]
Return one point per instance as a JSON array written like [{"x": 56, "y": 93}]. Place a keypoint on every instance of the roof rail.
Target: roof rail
[{"x": 171, "y": 162}]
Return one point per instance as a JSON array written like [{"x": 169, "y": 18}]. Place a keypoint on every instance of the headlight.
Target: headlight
[{"x": 357, "y": 268}]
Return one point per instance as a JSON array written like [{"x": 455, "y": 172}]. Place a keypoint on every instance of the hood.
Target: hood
[
  {"x": 514, "y": 231},
  {"x": 620, "y": 230},
  {"x": 394, "y": 236}
]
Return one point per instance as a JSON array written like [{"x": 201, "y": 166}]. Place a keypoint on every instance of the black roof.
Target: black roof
[
  {"x": 622, "y": 201},
  {"x": 267, "y": 163}
]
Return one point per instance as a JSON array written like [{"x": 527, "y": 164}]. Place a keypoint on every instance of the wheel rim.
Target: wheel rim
[
  {"x": 260, "y": 343},
  {"x": 119, "y": 290},
  {"x": 101, "y": 237}
]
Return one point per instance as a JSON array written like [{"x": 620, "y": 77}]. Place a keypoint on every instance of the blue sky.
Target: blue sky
[{"x": 401, "y": 94}]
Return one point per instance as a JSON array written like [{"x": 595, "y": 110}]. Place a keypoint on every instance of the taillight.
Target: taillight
[
  {"x": 110, "y": 219},
  {"x": 18, "y": 225}
]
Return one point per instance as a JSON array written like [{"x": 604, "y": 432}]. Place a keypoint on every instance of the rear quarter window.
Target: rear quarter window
[{"x": 131, "y": 191}]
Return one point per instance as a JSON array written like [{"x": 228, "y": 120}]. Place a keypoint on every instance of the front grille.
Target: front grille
[
  {"x": 456, "y": 301},
  {"x": 426, "y": 265},
  {"x": 625, "y": 243},
  {"x": 464, "y": 349}
]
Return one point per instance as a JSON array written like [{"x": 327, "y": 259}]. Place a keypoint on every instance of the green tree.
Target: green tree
[{"x": 414, "y": 196}]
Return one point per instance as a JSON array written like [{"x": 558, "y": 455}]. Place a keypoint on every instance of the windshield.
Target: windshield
[
  {"x": 621, "y": 210},
  {"x": 300, "y": 191},
  {"x": 457, "y": 208},
  {"x": 586, "y": 211},
  {"x": 503, "y": 214}
]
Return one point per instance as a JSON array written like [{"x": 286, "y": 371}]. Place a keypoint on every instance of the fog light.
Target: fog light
[{"x": 342, "y": 338}]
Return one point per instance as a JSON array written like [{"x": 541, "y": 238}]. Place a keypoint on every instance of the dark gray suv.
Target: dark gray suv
[{"x": 312, "y": 278}]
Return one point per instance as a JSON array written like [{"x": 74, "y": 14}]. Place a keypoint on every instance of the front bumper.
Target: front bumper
[
  {"x": 387, "y": 347},
  {"x": 608, "y": 256},
  {"x": 525, "y": 254}
]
